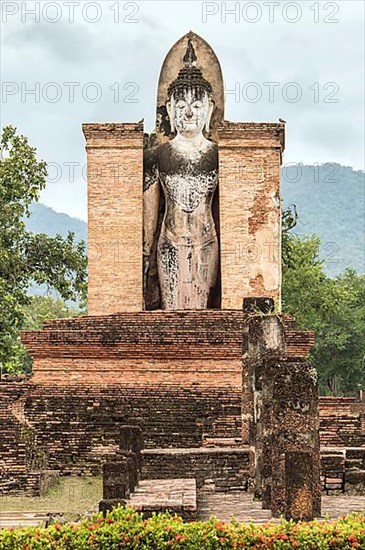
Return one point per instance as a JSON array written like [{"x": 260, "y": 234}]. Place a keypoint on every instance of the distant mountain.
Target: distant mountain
[
  {"x": 330, "y": 200},
  {"x": 45, "y": 220}
]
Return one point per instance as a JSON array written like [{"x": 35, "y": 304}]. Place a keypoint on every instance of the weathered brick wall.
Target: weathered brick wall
[
  {"x": 250, "y": 214},
  {"x": 190, "y": 348},
  {"x": 187, "y": 348},
  {"x": 224, "y": 469},
  {"x": 342, "y": 422},
  {"x": 78, "y": 426},
  {"x": 115, "y": 166},
  {"x": 75, "y": 427},
  {"x": 20, "y": 471},
  {"x": 177, "y": 375},
  {"x": 13, "y": 460}
]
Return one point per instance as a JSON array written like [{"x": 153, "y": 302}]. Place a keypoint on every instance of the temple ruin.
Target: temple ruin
[{"x": 184, "y": 338}]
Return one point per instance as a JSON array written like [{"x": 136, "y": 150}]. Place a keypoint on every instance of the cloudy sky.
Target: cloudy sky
[{"x": 68, "y": 62}]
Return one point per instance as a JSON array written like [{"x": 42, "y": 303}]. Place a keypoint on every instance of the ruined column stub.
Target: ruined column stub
[
  {"x": 295, "y": 484},
  {"x": 115, "y": 166},
  {"x": 208, "y": 63},
  {"x": 250, "y": 156},
  {"x": 283, "y": 425}
]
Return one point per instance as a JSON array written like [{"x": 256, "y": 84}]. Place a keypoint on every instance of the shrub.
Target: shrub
[{"x": 124, "y": 528}]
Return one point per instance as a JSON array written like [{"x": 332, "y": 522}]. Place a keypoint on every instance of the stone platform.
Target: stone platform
[
  {"x": 13, "y": 520},
  {"x": 242, "y": 506},
  {"x": 158, "y": 495}
]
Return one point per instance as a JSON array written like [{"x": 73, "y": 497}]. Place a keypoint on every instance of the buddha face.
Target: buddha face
[{"x": 189, "y": 112}]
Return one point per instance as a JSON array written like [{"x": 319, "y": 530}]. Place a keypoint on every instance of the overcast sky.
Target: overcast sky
[{"x": 311, "y": 52}]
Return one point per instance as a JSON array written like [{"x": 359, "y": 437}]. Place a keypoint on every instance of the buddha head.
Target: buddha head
[{"x": 189, "y": 104}]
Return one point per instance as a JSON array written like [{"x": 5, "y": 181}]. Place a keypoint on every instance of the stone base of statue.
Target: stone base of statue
[{"x": 176, "y": 375}]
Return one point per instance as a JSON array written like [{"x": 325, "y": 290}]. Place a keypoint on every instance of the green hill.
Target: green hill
[
  {"x": 45, "y": 220},
  {"x": 330, "y": 201}
]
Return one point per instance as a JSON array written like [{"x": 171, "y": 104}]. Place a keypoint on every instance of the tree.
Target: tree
[
  {"x": 27, "y": 258},
  {"x": 333, "y": 308},
  {"x": 340, "y": 350}
]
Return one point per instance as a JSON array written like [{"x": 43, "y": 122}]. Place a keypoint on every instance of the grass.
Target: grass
[{"x": 72, "y": 496}]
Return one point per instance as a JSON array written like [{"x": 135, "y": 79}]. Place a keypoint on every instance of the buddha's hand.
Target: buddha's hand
[{"x": 146, "y": 264}]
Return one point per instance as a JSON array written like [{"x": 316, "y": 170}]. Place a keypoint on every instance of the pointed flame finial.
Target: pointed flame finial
[{"x": 190, "y": 56}]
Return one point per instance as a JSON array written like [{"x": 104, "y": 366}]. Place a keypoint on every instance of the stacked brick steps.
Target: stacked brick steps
[
  {"x": 227, "y": 427},
  {"x": 16, "y": 520},
  {"x": 221, "y": 441},
  {"x": 333, "y": 469}
]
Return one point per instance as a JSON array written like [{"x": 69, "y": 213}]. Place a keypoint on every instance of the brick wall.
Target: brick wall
[
  {"x": 224, "y": 469},
  {"x": 189, "y": 348},
  {"x": 184, "y": 348},
  {"x": 250, "y": 213},
  {"x": 76, "y": 427},
  {"x": 342, "y": 422},
  {"x": 115, "y": 166}
]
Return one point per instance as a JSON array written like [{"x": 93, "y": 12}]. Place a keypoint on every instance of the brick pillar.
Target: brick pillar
[
  {"x": 116, "y": 485},
  {"x": 116, "y": 480},
  {"x": 115, "y": 186},
  {"x": 266, "y": 347},
  {"x": 295, "y": 488},
  {"x": 284, "y": 422},
  {"x": 250, "y": 214},
  {"x": 131, "y": 440}
]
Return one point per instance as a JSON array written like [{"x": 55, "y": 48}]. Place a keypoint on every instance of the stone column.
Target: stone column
[
  {"x": 284, "y": 422},
  {"x": 116, "y": 485},
  {"x": 250, "y": 215},
  {"x": 131, "y": 440},
  {"x": 115, "y": 187},
  {"x": 266, "y": 347},
  {"x": 295, "y": 488}
]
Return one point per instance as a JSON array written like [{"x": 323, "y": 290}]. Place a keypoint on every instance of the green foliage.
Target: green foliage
[
  {"x": 333, "y": 308},
  {"x": 37, "y": 310},
  {"x": 42, "y": 308},
  {"x": 125, "y": 528},
  {"x": 27, "y": 258}
]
